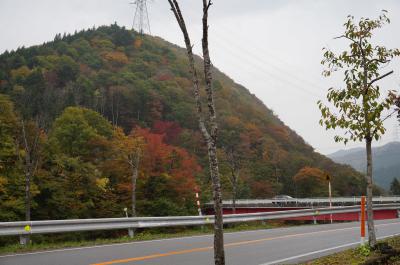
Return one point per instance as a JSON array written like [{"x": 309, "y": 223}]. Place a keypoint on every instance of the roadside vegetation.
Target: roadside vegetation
[{"x": 364, "y": 255}]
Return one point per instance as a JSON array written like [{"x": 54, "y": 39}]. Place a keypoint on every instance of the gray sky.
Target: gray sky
[{"x": 272, "y": 47}]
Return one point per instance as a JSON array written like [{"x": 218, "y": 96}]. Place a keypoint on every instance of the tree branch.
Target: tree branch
[
  {"x": 189, "y": 47},
  {"x": 379, "y": 78},
  {"x": 384, "y": 119}
]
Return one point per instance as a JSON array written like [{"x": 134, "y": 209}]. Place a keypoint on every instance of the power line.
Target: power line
[
  {"x": 259, "y": 65},
  {"x": 259, "y": 50}
]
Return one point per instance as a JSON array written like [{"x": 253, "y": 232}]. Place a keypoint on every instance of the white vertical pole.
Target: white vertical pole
[
  {"x": 330, "y": 198},
  {"x": 198, "y": 204}
]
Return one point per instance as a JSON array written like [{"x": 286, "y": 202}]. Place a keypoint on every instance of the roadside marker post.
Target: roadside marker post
[
  {"x": 328, "y": 178},
  {"x": 131, "y": 231},
  {"x": 362, "y": 221},
  {"x": 198, "y": 204}
]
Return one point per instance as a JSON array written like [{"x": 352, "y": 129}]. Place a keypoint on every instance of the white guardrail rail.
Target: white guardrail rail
[
  {"x": 75, "y": 225},
  {"x": 310, "y": 201}
]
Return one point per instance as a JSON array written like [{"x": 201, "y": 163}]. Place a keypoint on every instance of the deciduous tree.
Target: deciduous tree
[
  {"x": 360, "y": 106},
  {"x": 210, "y": 134},
  {"x": 129, "y": 149},
  {"x": 309, "y": 182}
]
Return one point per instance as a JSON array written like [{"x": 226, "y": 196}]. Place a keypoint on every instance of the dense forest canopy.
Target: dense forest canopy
[{"x": 79, "y": 98}]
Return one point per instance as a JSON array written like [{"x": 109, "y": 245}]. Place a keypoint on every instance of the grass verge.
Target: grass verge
[{"x": 357, "y": 256}]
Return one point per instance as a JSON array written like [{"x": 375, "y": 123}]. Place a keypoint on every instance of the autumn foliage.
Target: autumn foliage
[{"x": 102, "y": 94}]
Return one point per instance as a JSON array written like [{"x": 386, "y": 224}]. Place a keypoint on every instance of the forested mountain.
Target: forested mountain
[
  {"x": 80, "y": 112},
  {"x": 386, "y": 160}
]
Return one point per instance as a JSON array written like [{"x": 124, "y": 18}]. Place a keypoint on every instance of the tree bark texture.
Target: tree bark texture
[
  {"x": 210, "y": 135},
  {"x": 235, "y": 177},
  {"x": 368, "y": 141},
  {"x": 28, "y": 168},
  {"x": 134, "y": 163},
  {"x": 370, "y": 214}
]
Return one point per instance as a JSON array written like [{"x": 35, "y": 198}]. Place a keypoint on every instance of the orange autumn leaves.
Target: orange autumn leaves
[
  {"x": 159, "y": 159},
  {"x": 310, "y": 182}
]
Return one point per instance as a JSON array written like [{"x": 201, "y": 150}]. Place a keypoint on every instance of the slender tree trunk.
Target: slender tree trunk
[
  {"x": 210, "y": 135},
  {"x": 134, "y": 167},
  {"x": 368, "y": 142},
  {"x": 219, "y": 253},
  {"x": 28, "y": 172},
  {"x": 370, "y": 214},
  {"x": 235, "y": 178},
  {"x": 27, "y": 196}
]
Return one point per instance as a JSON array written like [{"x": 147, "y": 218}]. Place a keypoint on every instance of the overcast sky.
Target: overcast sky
[{"x": 272, "y": 47}]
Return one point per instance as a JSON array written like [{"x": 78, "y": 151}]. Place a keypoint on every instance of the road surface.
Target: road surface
[{"x": 262, "y": 247}]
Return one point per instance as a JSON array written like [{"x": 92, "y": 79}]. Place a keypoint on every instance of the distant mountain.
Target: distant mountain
[{"x": 386, "y": 161}]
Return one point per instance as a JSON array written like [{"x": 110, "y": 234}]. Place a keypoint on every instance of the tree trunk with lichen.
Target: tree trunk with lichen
[
  {"x": 370, "y": 213},
  {"x": 210, "y": 134}
]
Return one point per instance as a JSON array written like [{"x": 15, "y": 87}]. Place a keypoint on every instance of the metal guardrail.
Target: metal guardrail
[
  {"x": 310, "y": 201},
  {"x": 75, "y": 225}
]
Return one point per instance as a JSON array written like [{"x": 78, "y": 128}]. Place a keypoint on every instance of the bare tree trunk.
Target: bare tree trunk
[
  {"x": 27, "y": 173},
  {"x": 234, "y": 190},
  {"x": 134, "y": 167},
  {"x": 370, "y": 214},
  {"x": 27, "y": 197},
  {"x": 368, "y": 141},
  {"x": 31, "y": 159},
  {"x": 210, "y": 135},
  {"x": 219, "y": 253}
]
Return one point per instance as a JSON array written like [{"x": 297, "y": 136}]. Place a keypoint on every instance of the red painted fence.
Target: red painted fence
[{"x": 378, "y": 214}]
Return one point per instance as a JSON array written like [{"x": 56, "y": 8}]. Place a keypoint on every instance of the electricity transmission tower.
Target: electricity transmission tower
[{"x": 141, "y": 18}]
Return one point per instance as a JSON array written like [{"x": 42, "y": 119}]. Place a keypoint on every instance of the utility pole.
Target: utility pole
[{"x": 141, "y": 20}]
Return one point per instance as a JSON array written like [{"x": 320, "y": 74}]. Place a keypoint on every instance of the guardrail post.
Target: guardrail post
[
  {"x": 23, "y": 240},
  {"x": 131, "y": 232}
]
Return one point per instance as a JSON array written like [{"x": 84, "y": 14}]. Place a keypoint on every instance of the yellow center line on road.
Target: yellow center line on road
[{"x": 239, "y": 243}]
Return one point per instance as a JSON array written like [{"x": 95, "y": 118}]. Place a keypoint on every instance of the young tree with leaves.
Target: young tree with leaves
[
  {"x": 397, "y": 103},
  {"x": 29, "y": 153},
  {"x": 310, "y": 182},
  {"x": 358, "y": 107},
  {"x": 129, "y": 149},
  {"x": 210, "y": 134}
]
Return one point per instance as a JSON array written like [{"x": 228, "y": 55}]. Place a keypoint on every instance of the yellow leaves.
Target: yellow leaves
[
  {"x": 102, "y": 183},
  {"x": 116, "y": 58},
  {"x": 21, "y": 72},
  {"x": 233, "y": 121},
  {"x": 126, "y": 146},
  {"x": 17, "y": 89},
  {"x": 102, "y": 43},
  {"x": 309, "y": 172},
  {"x": 3, "y": 183}
]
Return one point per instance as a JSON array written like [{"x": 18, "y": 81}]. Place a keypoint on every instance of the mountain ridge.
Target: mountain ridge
[
  {"x": 137, "y": 81},
  {"x": 386, "y": 160}
]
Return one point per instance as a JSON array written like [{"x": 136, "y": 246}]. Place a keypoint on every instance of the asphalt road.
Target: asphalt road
[{"x": 272, "y": 246}]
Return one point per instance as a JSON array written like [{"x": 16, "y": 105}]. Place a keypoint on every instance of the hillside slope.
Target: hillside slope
[
  {"x": 144, "y": 81},
  {"x": 386, "y": 161}
]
